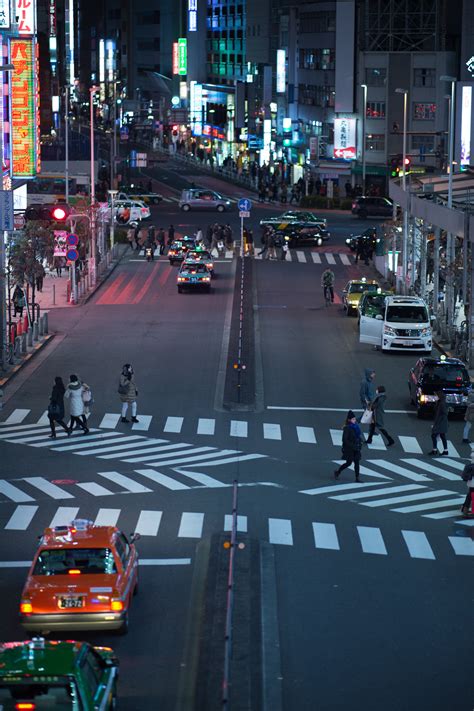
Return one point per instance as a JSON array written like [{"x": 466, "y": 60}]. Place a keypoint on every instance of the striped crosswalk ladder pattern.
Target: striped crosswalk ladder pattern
[
  {"x": 462, "y": 546},
  {"x": 94, "y": 489},
  {"x": 377, "y": 492},
  {"x": 410, "y": 445},
  {"x": 377, "y": 442},
  {"x": 110, "y": 420},
  {"x": 306, "y": 435},
  {"x": 75, "y": 440},
  {"x": 371, "y": 540},
  {"x": 143, "y": 424},
  {"x": 21, "y": 518},
  {"x": 402, "y": 471},
  {"x": 148, "y": 450},
  {"x": 125, "y": 482},
  {"x": 238, "y": 428},
  {"x": 445, "y": 503},
  {"x": 163, "y": 480},
  {"x": 191, "y": 525},
  {"x": 432, "y": 469},
  {"x": 48, "y": 488},
  {"x": 316, "y": 257},
  {"x": 44, "y": 419},
  {"x": 301, "y": 256},
  {"x": 418, "y": 545},
  {"x": 202, "y": 479},
  {"x": 64, "y": 515},
  {"x": 242, "y": 523},
  {"x": 280, "y": 531},
  {"x": 325, "y": 536},
  {"x": 341, "y": 487},
  {"x": 271, "y": 431},
  {"x": 148, "y": 523},
  {"x": 16, "y": 417},
  {"x": 120, "y": 447},
  {"x": 345, "y": 259},
  {"x": 330, "y": 258},
  {"x": 13, "y": 493},
  {"x": 107, "y": 517},
  {"x": 229, "y": 254},
  {"x": 173, "y": 424},
  {"x": 206, "y": 426},
  {"x": 99, "y": 443}
]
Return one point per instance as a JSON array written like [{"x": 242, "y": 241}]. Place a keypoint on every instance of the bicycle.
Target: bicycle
[{"x": 327, "y": 295}]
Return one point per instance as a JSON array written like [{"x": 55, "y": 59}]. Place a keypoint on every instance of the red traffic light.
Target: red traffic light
[
  {"x": 407, "y": 161},
  {"x": 59, "y": 214}
]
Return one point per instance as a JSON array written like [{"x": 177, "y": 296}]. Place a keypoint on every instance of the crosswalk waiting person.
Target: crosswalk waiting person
[
  {"x": 128, "y": 392},
  {"x": 440, "y": 425}
]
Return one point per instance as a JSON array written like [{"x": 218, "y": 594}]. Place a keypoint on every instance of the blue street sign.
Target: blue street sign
[
  {"x": 244, "y": 205},
  {"x": 72, "y": 255}
]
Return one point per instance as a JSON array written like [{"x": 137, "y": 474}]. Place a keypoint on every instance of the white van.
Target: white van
[{"x": 403, "y": 323}]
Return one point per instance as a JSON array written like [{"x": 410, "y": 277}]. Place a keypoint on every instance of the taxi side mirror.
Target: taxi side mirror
[
  {"x": 379, "y": 317},
  {"x": 134, "y": 537}
]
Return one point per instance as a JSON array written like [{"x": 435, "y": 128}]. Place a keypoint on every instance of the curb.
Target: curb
[{"x": 36, "y": 349}]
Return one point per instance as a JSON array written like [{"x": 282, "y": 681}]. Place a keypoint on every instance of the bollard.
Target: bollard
[
  {"x": 54, "y": 294},
  {"x": 17, "y": 350},
  {"x": 29, "y": 337},
  {"x": 25, "y": 323},
  {"x": 35, "y": 331},
  {"x": 68, "y": 291},
  {"x": 23, "y": 344},
  {"x": 40, "y": 326},
  {"x": 46, "y": 325}
]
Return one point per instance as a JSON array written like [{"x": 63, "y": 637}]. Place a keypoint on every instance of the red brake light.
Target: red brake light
[
  {"x": 26, "y": 608},
  {"x": 25, "y": 705},
  {"x": 59, "y": 214},
  {"x": 74, "y": 571}
]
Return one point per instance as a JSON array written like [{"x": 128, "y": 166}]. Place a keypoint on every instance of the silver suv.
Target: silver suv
[{"x": 203, "y": 199}]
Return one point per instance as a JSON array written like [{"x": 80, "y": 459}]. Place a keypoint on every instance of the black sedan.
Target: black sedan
[
  {"x": 367, "y": 238},
  {"x": 298, "y": 226},
  {"x": 430, "y": 375}
]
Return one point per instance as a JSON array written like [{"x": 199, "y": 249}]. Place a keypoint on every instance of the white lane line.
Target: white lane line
[
  {"x": 336, "y": 436},
  {"x": 411, "y": 497},
  {"x": 107, "y": 517},
  {"x": 46, "y": 487},
  {"x": 44, "y": 419},
  {"x": 418, "y": 545},
  {"x": 279, "y": 531},
  {"x": 13, "y": 493},
  {"x": 456, "y": 465},
  {"x": 395, "y": 469},
  {"x": 162, "y": 479},
  {"x": 21, "y": 518},
  {"x": 364, "y": 470},
  {"x": 110, "y": 420},
  {"x": 157, "y": 457},
  {"x": 96, "y": 445},
  {"x": 94, "y": 489},
  {"x": 377, "y": 442},
  {"x": 410, "y": 445},
  {"x": 238, "y": 428},
  {"x": 325, "y": 536},
  {"x": 340, "y": 487},
  {"x": 16, "y": 417},
  {"x": 142, "y": 441},
  {"x": 20, "y": 428},
  {"x": 288, "y": 257},
  {"x": 371, "y": 540},
  {"x": 173, "y": 424},
  {"x": 443, "y": 514},
  {"x": 148, "y": 523},
  {"x": 143, "y": 424},
  {"x": 427, "y": 507},
  {"x": 432, "y": 469},
  {"x": 241, "y": 523},
  {"x": 202, "y": 479},
  {"x": 145, "y": 449},
  {"x": 64, "y": 515},
  {"x": 301, "y": 256},
  {"x": 163, "y": 561},
  {"x": 345, "y": 259},
  {"x": 191, "y": 525},
  {"x": 206, "y": 426},
  {"x": 306, "y": 435},
  {"x": 462, "y": 546},
  {"x": 330, "y": 258},
  {"x": 271, "y": 431},
  {"x": 378, "y": 492},
  {"x": 316, "y": 257},
  {"x": 125, "y": 482},
  {"x": 15, "y": 563}
]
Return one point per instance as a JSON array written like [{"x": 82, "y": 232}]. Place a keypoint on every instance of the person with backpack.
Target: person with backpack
[
  {"x": 352, "y": 440},
  {"x": 468, "y": 477},
  {"x": 128, "y": 392}
]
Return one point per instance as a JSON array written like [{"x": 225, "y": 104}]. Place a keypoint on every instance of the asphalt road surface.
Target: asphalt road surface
[{"x": 374, "y": 582}]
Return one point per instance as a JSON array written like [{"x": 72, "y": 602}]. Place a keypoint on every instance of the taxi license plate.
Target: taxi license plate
[
  {"x": 193, "y": 280},
  {"x": 405, "y": 343},
  {"x": 67, "y": 603}
]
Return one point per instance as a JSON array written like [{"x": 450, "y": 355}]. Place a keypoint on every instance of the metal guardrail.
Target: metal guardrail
[{"x": 230, "y": 602}]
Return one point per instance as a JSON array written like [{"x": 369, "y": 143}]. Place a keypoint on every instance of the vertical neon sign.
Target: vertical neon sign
[
  {"x": 23, "y": 114},
  {"x": 466, "y": 113}
]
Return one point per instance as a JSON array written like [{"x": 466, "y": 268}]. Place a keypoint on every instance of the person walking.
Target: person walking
[
  {"x": 170, "y": 239},
  {"x": 160, "y": 239},
  {"x": 367, "y": 389},
  {"x": 19, "y": 301},
  {"x": 39, "y": 274},
  {"x": 378, "y": 413},
  {"x": 352, "y": 439},
  {"x": 264, "y": 242},
  {"x": 128, "y": 392},
  {"x": 468, "y": 417},
  {"x": 56, "y": 408},
  {"x": 74, "y": 393},
  {"x": 440, "y": 425},
  {"x": 284, "y": 250},
  {"x": 468, "y": 477},
  {"x": 131, "y": 237}
]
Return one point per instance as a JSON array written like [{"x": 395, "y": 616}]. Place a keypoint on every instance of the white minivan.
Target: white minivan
[{"x": 402, "y": 324}]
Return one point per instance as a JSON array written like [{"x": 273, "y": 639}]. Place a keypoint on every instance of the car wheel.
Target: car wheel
[
  {"x": 180, "y": 289},
  {"x": 220, "y": 208},
  {"x": 363, "y": 214},
  {"x": 124, "y": 628},
  {"x": 185, "y": 208},
  {"x": 156, "y": 201}
]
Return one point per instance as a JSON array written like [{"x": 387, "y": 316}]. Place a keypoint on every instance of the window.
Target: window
[
  {"x": 375, "y": 142},
  {"x": 423, "y": 112},
  {"x": 424, "y": 77},
  {"x": 375, "y": 109},
  {"x": 316, "y": 95},
  {"x": 422, "y": 142},
  {"x": 317, "y": 22},
  {"x": 317, "y": 59},
  {"x": 375, "y": 77},
  {"x": 92, "y": 672}
]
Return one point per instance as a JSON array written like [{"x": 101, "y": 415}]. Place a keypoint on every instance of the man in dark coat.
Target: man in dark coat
[
  {"x": 367, "y": 388},
  {"x": 440, "y": 425},
  {"x": 378, "y": 413},
  {"x": 352, "y": 439}
]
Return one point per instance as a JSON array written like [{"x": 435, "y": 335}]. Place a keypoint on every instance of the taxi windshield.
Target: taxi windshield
[
  {"x": 445, "y": 374},
  {"x": 61, "y": 695},
  {"x": 89, "y": 561},
  {"x": 360, "y": 288},
  {"x": 195, "y": 268},
  {"x": 407, "y": 314}
]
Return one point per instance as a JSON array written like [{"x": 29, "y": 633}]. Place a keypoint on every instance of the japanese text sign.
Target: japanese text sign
[{"x": 23, "y": 114}]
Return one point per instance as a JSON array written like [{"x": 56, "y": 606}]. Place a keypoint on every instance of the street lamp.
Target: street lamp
[
  {"x": 364, "y": 113},
  {"x": 112, "y": 194},
  {"x": 92, "y": 270},
  {"x": 404, "y": 186}
]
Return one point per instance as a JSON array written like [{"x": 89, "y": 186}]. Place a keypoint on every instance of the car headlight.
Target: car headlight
[
  {"x": 428, "y": 398},
  {"x": 389, "y": 331},
  {"x": 425, "y": 331}
]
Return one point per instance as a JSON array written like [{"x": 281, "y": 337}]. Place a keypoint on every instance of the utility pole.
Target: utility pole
[{"x": 92, "y": 270}]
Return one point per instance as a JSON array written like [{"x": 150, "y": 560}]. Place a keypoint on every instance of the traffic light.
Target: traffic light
[
  {"x": 59, "y": 213},
  {"x": 396, "y": 163}
]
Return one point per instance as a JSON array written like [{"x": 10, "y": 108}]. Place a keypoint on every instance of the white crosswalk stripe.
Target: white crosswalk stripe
[
  {"x": 325, "y": 536},
  {"x": 280, "y": 531},
  {"x": 340, "y": 487},
  {"x": 345, "y": 259},
  {"x": 173, "y": 424},
  {"x": 410, "y": 445},
  {"x": 46, "y": 487},
  {"x": 143, "y": 424},
  {"x": 418, "y": 545},
  {"x": 419, "y": 464},
  {"x": 377, "y": 442},
  {"x": 191, "y": 525},
  {"x": 306, "y": 435},
  {"x": 109, "y": 420},
  {"x": 206, "y": 426},
  {"x": 367, "y": 494},
  {"x": 100, "y": 443},
  {"x": 13, "y": 493},
  {"x": 401, "y": 471},
  {"x": 242, "y": 524},
  {"x": 316, "y": 257},
  {"x": 21, "y": 518},
  {"x": 330, "y": 258},
  {"x": 107, "y": 517},
  {"x": 148, "y": 523},
  {"x": 147, "y": 452},
  {"x": 162, "y": 479},
  {"x": 94, "y": 489},
  {"x": 462, "y": 546},
  {"x": 371, "y": 540},
  {"x": 125, "y": 482},
  {"x": 271, "y": 431},
  {"x": 63, "y": 516},
  {"x": 434, "y": 505},
  {"x": 301, "y": 257},
  {"x": 238, "y": 428},
  {"x": 16, "y": 417}
]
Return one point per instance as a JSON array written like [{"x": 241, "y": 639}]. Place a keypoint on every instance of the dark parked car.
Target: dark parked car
[
  {"x": 372, "y": 207},
  {"x": 368, "y": 236},
  {"x": 433, "y": 374}
]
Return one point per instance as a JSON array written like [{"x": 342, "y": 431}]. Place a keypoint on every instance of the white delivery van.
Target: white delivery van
[{"x": 402, "y": 324}]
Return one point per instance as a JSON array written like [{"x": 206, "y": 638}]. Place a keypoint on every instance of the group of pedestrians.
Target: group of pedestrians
[
  {"x": 142, "y": 237},
  {"x": 79, "y": 396}
]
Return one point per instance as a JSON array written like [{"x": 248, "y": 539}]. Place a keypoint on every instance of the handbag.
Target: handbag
[
  {"x": 54, "y": 409},
  {"x": 367, "y": 417}
]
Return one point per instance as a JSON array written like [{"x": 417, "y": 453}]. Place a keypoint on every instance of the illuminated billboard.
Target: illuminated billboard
[
  {"x": 23, "y": 104},
  {"x": 192, "y": 15},
  {"x": 280, "y": 71},
  {"x": 466, "y": 114},
  {"x": 25, "y": 12},
  {"x": 175, "y": 56},
  {"x": 4, "y": 14},
  {"x": 182, "y": 55},
  {"x": 345, "y": 138}
]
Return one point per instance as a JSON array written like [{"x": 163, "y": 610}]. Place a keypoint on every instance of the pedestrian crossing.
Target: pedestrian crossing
[
  {"x": 192, "y": 526},
  {"x": 13, "y": 428},
  {"x": 415, "y": 497},
  {"x": 306, "y": 256}
]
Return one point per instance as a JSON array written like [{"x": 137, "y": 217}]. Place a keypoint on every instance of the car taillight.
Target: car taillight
[
  {"x": 26, "y": 608},
  {"x": 116, "y": 605},
  {"x": 74, "y": 571},
  {"x": 25, "y": 705}
]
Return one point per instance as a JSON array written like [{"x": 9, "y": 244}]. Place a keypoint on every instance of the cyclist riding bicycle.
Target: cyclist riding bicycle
[{"x": 327, "y": 282}]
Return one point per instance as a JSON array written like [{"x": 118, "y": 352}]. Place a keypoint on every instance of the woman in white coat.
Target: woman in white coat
[{"x": 73, "y": 393}]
